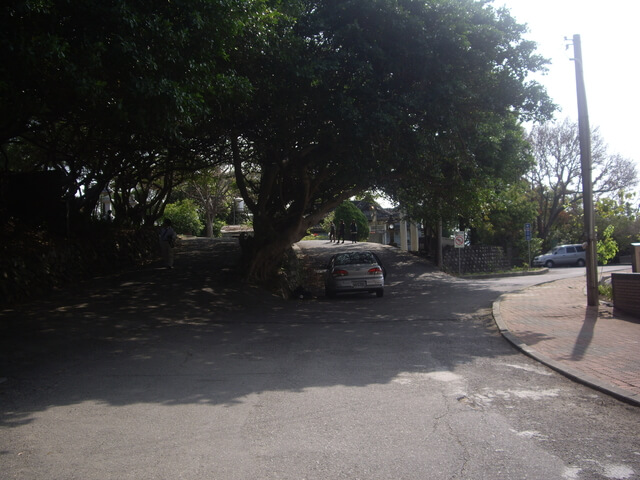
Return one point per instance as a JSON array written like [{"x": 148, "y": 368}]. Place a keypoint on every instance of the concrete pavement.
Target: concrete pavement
[{"x": 596, "y": 346}]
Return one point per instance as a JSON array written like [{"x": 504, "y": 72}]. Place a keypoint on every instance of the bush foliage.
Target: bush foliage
[
  {"x": 348, "y": 212},
  {"x": 184, "y": 217}
]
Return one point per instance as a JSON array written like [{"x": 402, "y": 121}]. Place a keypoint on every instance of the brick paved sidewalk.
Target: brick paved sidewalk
[{"x": 553, "y": 323}]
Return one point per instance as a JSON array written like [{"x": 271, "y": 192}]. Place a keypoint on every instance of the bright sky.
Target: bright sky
[{"x": 610, "y": 56}]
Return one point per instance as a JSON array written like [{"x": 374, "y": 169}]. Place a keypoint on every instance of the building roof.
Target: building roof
[{"x": 368, "y": 208}]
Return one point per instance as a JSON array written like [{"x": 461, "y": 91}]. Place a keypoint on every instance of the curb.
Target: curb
[
  {"x": 542, "y": 271},
  {"x": 571, "y": 373}
]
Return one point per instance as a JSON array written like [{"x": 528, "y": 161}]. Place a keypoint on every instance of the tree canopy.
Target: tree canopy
[
  {"x": 143, "y": 68},
  {"x": 110, "y": 93},
  {"x": 311, "y": 101},
  {"x": 347, "y": 212},
  {"x": 350, "y": 95}
]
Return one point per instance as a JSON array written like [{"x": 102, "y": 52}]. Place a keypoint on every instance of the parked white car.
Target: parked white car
[
  {"x": 354, "y": 271},
  {"x": 562, "y": 255}
]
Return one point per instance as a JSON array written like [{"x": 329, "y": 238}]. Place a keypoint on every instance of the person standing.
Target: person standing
[
  {"x": 168, "y": 238},
  {"x": 354, "y": 231},
  {"x": 332, "y": 232},
  {"x": 341, "y": 230}
]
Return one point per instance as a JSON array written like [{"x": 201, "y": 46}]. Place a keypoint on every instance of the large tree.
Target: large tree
[
  {"x": 213, "y": 190},
  {"x": 112, "y": 91},
  {"x": 502, "y": 219},
  {"x": 556, "y": 177},
  {"x": 138, "y": 66},
  {"x": 457, "y": 191},
  {"x": 623, "y": 214},
  {"x": 354, "y": 94}
]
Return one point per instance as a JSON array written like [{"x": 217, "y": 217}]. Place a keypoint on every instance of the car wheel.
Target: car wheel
[
  {"x": 548, "y": 264},
  {"x": 379, "y": 293},
  {"x": 329, "y": 293},
  {"x": 580, "y": 262}
]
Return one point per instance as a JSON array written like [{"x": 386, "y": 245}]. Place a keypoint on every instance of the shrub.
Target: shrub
[
  {"x": 347, "y": 211},
  {"x": 184, "y": 217}
]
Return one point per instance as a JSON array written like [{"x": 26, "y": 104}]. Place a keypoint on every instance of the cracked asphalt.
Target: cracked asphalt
[{"x": 188, "y": 373}]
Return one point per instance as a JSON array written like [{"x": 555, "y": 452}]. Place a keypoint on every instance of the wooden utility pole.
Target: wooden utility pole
[{"x": 587, "y": 187}]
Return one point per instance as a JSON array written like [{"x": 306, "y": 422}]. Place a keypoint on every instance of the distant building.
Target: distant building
[
  {"x": 378, "y": 219},
  {"x": 386, "y": 226}
]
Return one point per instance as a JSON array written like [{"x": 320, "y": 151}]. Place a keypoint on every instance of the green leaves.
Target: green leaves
[
  {"x": 153, "y": 60},
  {"x": 184, "y": 217},
  {"x": 116, "y": 91},
  {"x": 421, "y": 99},
  {"x": 347, "y": 212},
  {"x": 320, "y": 99},
  {"x": 607, "y": 247}
]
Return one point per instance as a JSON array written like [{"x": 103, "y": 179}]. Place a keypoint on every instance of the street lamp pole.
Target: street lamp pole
[{"x": 587, "y": 187}]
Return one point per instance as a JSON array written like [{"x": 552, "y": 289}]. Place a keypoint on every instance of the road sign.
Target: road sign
[
  {"x": 527, "y": 231},
  {"x": 459, "y": 240}
]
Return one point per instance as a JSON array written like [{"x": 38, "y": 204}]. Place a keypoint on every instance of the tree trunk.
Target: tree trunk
[
  {"x": 209, "y": 225},
  {"x": 263, "y": 254}
]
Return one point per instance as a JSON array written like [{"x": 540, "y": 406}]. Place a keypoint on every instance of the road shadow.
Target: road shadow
[
  {"x": 198, "y": 335},
  {"x": 585, "y": 336}
]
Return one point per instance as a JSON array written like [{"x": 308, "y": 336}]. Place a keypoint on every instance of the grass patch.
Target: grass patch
[
  {"x": 511, "y": 271},
  {"x": 316, "y": 236},
  {"x": 606, "y": 292}
]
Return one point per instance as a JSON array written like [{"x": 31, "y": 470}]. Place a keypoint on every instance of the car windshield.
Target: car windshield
[{"x": 353, "y": 258}]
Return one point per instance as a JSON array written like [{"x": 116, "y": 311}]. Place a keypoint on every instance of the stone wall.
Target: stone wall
[
  {"x": 475, "y": 259},
  {"x": 33, "y": 263}
]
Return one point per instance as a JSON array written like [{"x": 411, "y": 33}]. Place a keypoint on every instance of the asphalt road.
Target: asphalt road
[{"x": 188, "y": 374}]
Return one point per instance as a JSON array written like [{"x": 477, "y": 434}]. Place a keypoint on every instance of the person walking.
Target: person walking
[
  {"x": 332, "y": 232},
  {"x": 341, "y": 230},
  {"x": 354, "y": 231},
  {"x": 167, "y": 238}
]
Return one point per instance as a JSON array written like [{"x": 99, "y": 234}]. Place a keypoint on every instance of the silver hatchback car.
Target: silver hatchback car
[
  {"x": 357, "y": 271},
  {"x": 562, "y": 255}
]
